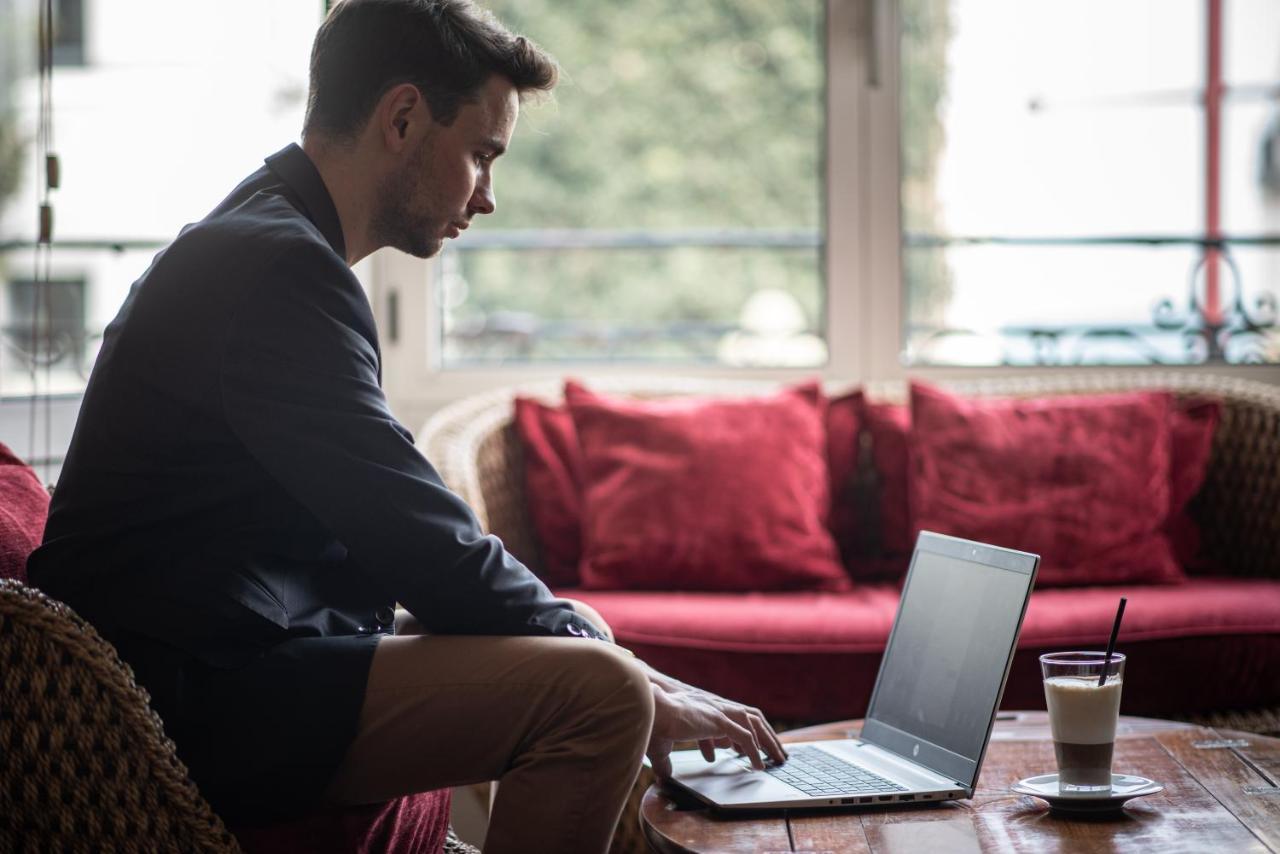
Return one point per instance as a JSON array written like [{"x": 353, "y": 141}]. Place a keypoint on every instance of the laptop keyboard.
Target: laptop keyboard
[{"x": 816, "y": 772}]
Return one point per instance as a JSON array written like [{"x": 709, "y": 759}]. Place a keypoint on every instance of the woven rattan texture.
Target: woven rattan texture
[
  {"x": 1261, "y": 721},
  {"x": 500, "y": 469},
  {"x": 84, "y": 762},
  {"x": 454, "y": 845}
]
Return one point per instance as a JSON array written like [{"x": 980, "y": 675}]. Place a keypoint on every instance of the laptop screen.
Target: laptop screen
[{"x": 945, "y": 666}]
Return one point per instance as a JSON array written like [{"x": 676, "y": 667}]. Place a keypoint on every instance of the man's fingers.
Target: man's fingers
[
  {"x": 766, "y": 739},
  {"x": 745, "y": 741},
  {"x": 708, "y": 748},
  {"x": 766, "y": 736}
]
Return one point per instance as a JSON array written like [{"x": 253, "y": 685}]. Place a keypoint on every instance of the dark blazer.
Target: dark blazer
[{"x": 239, "y": 511}]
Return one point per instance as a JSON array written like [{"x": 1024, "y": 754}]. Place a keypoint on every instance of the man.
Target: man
[{"x": 239, "y": 512}]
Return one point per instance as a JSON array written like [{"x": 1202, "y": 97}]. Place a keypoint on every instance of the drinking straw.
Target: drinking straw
[{"x": 1111, "y": 644}]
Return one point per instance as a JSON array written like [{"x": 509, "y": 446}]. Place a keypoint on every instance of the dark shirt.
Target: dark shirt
[{"x": 239, "y": 511}]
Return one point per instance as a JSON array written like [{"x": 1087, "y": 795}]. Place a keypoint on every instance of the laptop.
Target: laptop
[{"x": 934, "y": 702}]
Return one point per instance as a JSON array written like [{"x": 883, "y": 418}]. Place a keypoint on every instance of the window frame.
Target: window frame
[{"x": 862, "y": 256}]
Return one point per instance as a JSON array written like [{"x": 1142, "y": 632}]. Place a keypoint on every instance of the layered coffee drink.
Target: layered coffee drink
[{"x": 1082, "y": 717}]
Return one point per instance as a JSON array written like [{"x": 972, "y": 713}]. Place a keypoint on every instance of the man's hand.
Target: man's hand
[{"x": 685, "y": 713}]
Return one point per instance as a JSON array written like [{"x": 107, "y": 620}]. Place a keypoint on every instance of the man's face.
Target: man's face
[{"x": 447, "y": 178}]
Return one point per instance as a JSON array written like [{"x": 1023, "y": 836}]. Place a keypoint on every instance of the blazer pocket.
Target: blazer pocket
[{"x": 258, "y": 598}]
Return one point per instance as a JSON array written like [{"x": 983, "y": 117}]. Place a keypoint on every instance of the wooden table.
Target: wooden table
[{"x": 1220, "y": 794}]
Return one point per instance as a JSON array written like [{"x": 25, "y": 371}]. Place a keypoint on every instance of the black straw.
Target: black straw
[{"x": 1111, "y": 644}]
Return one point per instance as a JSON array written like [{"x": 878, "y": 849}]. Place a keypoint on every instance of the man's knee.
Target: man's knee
[{"x": 617, "y": 694}]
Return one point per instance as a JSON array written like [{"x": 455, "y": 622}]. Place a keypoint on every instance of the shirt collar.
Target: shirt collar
[{"x": 295, "y": 168}]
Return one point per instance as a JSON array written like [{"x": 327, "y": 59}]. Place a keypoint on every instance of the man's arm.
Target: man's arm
[{"x": 300, "y": 390}]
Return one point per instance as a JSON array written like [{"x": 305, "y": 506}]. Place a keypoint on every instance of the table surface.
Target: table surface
[{"x": 1220, "y": 794}]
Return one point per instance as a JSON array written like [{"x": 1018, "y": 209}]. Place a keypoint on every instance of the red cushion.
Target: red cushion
[
  {"x": 553, "y": 479},
  {"x": 1082, "y": 481},
  {"x": 415, "y": 824},
  {"x": 882, "y": 531},
  {"x": 24, "y": 506},
  {"x": 809, "y": 656},
  {"x": 705, "y": 494},
  {"x": 553, "y": 486},
  {"x": 1195, "y": 420},
  {"x": 843, "y": 447},
  {"x": 887, "y": 427}
]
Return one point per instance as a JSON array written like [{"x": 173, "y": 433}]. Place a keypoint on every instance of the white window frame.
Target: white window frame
[{"x": 864, "y": 323}]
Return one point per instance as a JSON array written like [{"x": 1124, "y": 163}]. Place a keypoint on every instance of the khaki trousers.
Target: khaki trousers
[{"x": 562, "y": 723}]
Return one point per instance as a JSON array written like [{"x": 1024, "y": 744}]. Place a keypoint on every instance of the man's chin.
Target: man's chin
[{"x": 423, "y": 248}]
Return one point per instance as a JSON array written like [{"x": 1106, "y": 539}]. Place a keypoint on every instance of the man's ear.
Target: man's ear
[{"x": 400, "y": 112}]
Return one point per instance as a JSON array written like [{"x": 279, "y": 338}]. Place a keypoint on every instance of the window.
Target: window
[
  {"x": 180, "y": 103},
  {"x": 45, "y": 328},
  {"x": 1090, "y": 183},
  {"x": 666, "y": 207},
  {"x": 68, "y": 32}
]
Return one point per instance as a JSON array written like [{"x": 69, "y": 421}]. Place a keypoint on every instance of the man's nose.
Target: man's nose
[{"x": 482, "y": 200}]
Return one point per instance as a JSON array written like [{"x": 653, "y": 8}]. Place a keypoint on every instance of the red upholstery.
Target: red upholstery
[
  {"x": 554, "y": 480},
  {"x": 416, "y": 824},
  {"x": 24, "y": 505},
  {"x": 1084, "y": 482},
  {"x": 887, "y": 428},
  {"x": 1195, "y": 420},
  {"x": 553, "y": 484},
  {"x": 892, "y": 535},
  {"x": 1207, "y": 644},
  {"x": 844, "y": 417},
  {"x": 705, "y": 494}
]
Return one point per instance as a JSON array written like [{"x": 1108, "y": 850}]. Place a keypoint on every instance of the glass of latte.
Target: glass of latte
[{"x": 1082, "y": 715}]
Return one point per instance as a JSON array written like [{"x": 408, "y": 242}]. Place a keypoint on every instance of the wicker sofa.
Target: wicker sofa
[{"x": 1224, "y": 626}]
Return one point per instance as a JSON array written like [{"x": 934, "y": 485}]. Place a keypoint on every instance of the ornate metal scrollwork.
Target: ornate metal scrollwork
[{"x": 1239, "y": 335}]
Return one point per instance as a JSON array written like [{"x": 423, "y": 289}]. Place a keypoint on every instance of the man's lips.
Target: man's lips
[{"x": 456, "y": 228}]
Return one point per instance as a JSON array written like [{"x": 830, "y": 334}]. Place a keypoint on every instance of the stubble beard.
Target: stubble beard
[{"x": 395, "y": 223}]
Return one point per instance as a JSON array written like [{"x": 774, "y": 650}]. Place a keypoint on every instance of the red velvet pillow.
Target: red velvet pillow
[
  {"x": 24, "y": 506},
  {"x": 705, "y": 494},
  {"x": 1195, "y": 420},
  {"x": 887, "y": 535},
  {"x": 887, "y": 426},
  {"x": 1082, "y": 481},
  {"x": 843, "y": 448},
  {"x": 552, "y": 486}
]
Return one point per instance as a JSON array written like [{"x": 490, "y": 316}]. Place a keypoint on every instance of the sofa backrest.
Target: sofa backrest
[{"x": 473, "y": 443}]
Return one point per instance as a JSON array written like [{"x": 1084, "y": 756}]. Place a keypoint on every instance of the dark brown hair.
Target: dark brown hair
[{"x": 447, "y": 48}]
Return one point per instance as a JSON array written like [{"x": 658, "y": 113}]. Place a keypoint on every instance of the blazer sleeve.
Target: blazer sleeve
[{"x": 299, "y": 379}]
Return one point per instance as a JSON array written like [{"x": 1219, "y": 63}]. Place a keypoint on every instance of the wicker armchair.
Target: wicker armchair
[
  {"x": 84, "y": 762},
  {"x": 85, "y": 765},
  {"x": 474, "y": 446}
]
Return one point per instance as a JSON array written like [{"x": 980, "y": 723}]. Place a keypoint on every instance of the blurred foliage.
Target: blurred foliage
[
  {"x": 669, "y": 115},
  {"x": 12, "y": 145},
  {"x": 926, "y": 32},
  {"x": 676, "y": 115}
]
